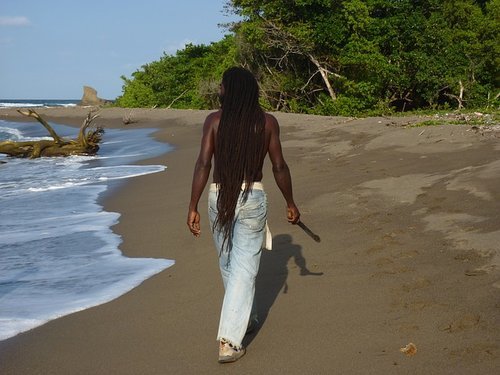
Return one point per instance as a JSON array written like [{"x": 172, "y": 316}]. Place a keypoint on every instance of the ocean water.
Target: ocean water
[
  {"x": 58, "y": 254},
  {"x": 25, "y": 103}
]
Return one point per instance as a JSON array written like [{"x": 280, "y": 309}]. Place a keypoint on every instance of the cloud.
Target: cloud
[{"x": 14, "y": 21}]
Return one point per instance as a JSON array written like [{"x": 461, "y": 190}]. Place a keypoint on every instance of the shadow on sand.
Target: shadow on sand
[{"x": 273, "y": 274}]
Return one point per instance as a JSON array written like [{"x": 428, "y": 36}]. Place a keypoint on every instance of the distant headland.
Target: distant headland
[{"x": 90, "y": 97}]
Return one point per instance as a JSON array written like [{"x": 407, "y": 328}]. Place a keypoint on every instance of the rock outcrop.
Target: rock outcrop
[{"x": 90, "y": 97}]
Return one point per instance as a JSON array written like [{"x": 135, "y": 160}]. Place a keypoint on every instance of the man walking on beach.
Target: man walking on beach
[{"x": 238, "y": 137}]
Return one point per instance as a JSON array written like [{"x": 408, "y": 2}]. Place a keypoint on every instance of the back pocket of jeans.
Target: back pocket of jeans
[{"x": 253, "y": 215}]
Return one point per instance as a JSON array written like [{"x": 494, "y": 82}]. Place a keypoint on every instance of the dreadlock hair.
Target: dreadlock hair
[{"x": 240, "y": 145}]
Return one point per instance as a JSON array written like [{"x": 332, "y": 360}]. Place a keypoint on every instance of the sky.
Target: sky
[{"x": 50, "y": 49}]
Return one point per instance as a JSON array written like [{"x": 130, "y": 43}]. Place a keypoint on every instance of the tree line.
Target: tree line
[{"x": 339, "y": 57}]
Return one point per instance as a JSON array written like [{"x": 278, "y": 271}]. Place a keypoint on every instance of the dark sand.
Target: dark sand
[{"x": 409, "y": 220}]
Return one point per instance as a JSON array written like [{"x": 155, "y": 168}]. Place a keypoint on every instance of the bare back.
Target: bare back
[
  {"x": 203, "y": 167},
  {"x": 272, "y": 144}
]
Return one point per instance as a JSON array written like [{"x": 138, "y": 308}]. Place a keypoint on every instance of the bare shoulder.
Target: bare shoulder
[
  {"x": 271, "y": 122},
  {"x": 213, "y": 118},
  {"x": 211, "y": 122}
]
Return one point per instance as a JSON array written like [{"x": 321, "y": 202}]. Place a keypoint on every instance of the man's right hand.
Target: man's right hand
[{"x": 193, "y": 222}]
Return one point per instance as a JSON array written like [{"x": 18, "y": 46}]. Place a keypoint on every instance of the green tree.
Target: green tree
[
  {"x": 406, "y": 53},
  {"x": 339, "y": 57},
  {"x": 437, "y": 51},
  {"x": 188, "y": 79}
]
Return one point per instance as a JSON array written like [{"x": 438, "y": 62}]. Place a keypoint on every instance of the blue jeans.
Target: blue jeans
[{"x": 240, "y": 265}]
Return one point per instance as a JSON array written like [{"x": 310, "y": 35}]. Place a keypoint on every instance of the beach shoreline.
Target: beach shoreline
[{"x": 409, "y": 229}]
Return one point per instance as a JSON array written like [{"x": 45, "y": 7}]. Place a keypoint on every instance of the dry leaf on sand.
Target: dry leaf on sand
[{"x": 409, "y": 350}]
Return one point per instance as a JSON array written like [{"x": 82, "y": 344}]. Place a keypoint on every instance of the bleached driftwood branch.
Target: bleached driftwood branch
[{"x": 87, "y": 142}]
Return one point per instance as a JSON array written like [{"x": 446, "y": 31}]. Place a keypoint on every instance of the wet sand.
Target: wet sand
[{"x": 409, "y": 220}]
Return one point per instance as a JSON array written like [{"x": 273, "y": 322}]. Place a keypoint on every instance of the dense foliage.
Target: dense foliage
[
  {"x": 188, "y": 79},
  {"x": 340, "y": 57}
]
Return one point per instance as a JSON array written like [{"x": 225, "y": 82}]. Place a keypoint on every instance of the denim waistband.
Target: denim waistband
[{"x": 256, "y": 186}]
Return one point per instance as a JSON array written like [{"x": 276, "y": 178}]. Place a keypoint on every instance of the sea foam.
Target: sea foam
[{"x": 58, "y": 254}]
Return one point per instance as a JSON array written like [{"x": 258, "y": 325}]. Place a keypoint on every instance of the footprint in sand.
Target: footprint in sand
[{"x": 460, "y": 324}]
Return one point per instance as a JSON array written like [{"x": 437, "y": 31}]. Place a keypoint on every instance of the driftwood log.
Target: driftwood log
[{"x": 87, "y": 142}]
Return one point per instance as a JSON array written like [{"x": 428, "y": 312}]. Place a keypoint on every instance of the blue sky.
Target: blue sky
[{"x": 51, "y": 49}]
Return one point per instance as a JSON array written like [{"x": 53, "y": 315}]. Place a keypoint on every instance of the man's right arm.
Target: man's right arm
[
  {"x": 280, "y": 169},
  {"x": 201, "y": 173}
]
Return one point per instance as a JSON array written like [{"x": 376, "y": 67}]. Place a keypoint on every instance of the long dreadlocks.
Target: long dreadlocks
[{"x": 240, "y": 145}]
